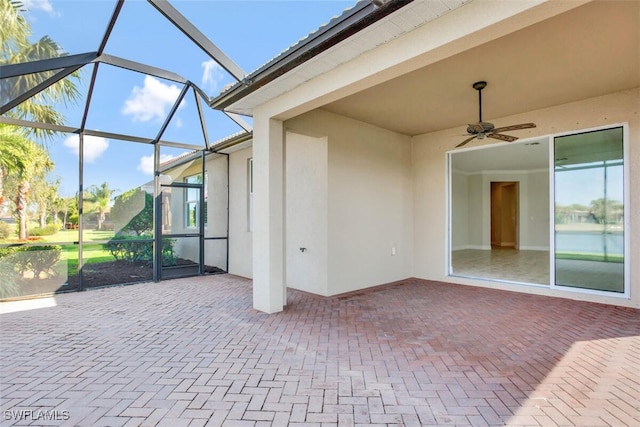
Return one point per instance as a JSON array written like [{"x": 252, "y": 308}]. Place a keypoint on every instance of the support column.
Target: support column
[{"x": 268, "y": 215}]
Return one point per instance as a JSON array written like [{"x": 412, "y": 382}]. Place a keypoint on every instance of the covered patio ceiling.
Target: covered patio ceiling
[
  {"x": 588, "y": 51},
  {"x": 551, "y": 54}
]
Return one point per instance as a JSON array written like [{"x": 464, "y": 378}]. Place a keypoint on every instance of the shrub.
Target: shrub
[
  {"x": 15, "y": 261},
  {"x": 132, "y": 249},
  {"x": 8, "y": 286},
  {"x": 124, "y": 248},
  {"x": 132, "y": 212},
  {"x": 6, "y": 230},
  {"x": 37, "y": 259},
  {"x": 48, "y": 230}
]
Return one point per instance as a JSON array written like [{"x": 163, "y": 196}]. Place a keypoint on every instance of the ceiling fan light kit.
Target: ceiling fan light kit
[{"x": 481, "y": 129}]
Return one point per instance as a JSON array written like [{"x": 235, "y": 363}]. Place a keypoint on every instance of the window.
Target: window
[
  {"x": 589, "y": 210},
  {"x": 566, "y": 227},
  {"x": 192, "y": 201}
]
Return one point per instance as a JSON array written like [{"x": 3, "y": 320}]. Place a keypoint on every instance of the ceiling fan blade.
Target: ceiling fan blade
[
  {"x": 465, "y": 141},
  {"x": 515, "y": 127},
  {"x": 502, "y": 137}
]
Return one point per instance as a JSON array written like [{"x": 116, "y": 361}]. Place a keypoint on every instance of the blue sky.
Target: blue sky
[{"x": 249, "y": 32}]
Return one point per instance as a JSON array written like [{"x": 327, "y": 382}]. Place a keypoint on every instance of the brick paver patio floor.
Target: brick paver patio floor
[{"x": 193, "y": 352}]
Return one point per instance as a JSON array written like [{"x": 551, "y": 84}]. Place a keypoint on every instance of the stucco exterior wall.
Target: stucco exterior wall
[
  {"x": 430, "y": 175},
  {"x": 215, "y": 251},
  {"x": 306, "y": 213},
  {"x": 240, "y": 243},
  {"x": 370, "y": 214}
]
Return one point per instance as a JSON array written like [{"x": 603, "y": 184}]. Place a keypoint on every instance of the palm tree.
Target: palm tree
[
  {"x": 34, "y": 165},
  {"x": 15, "y": 48},
  {"x": 99, "y": 198},
  {"x": 46, "y": 197},
  {"x": 12, "y": 154}
]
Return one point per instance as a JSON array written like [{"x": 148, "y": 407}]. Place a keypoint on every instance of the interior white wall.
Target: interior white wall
[
  {"x": 475, "y": 220},
  {"x": 429, "y": 179},
  {"x": 240, "y": 238},
  {"x": 306, "y": 212},
  {"x": 461, "y": 212},
  {"x": 535, "y": 230},
  {"x": 533, "y": 198},
  {"x": 370, "y": 214}
]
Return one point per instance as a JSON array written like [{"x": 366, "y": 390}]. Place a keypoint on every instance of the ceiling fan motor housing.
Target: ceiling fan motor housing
[{"x": 480, "y": 127}]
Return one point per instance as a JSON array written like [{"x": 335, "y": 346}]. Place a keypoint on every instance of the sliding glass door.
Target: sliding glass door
[{"x": 589, "y": 210}]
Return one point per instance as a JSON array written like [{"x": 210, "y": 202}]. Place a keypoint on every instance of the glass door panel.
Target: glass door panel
[
  {"x": 589, "y": 210},
  {"x": 181, "y": 219}
]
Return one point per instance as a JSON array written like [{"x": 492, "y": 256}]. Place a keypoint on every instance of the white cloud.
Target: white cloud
[
  {"x": 211, "y": 75},
  {"x": 44, "y": 5},
  {"x": 152, "y": 101},
  {"x": 146, "y": 163},
  {"x": 93, "y": 148}
]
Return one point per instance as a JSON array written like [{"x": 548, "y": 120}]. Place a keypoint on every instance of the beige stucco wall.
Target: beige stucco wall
[
  {"x": 306, "y": 213},
  {"x": 370, "y": 213},
  {"x": 240, "y": 243},
  {"x": 215, "y": 251},
  {"x": 429, "y": 181}
]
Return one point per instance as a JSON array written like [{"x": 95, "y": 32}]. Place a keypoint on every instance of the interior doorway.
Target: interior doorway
[{"x": 504, "y": 214}]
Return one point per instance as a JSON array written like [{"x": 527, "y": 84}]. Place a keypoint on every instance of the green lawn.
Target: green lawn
[
  {"x": 93, "y": 252},
  {"x": 73, "y": 235}
]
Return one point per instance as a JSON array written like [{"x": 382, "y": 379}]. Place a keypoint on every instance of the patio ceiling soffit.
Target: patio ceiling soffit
[{"x": 352, "y": 21}]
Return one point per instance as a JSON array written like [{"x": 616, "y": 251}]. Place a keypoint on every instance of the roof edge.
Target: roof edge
[{"x": 354, "y": 20}]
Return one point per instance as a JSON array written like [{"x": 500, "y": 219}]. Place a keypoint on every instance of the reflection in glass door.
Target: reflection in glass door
[{"x": 589, "y": 210}]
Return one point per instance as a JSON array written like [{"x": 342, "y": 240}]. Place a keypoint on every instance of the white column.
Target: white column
[{"x": 268, "y": 215}]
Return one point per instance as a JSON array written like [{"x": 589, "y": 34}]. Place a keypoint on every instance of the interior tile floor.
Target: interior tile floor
[
  {"x": 533, "y": 267},
  {"x": 193, "y": 352},
  {"x": 524, "y": 266}
]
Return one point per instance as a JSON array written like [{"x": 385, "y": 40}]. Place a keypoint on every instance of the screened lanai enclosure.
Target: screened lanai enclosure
[{"x": 141, "y": 189}]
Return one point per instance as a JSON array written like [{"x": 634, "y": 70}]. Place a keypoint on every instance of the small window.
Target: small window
[{"x": 192, "y": 201}]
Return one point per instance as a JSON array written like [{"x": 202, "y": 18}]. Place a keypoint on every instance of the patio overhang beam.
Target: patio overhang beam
[
  {"x": 140, "y": 68},
  {"x": 190, "y": 30},
  {"x": 38, "y": 88},
  {"x": 42, "y": 65},
  {"x": 353, "y": 21}
]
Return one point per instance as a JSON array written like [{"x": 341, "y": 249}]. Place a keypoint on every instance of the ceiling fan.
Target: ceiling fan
[{"x": 481, "y": 129}]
